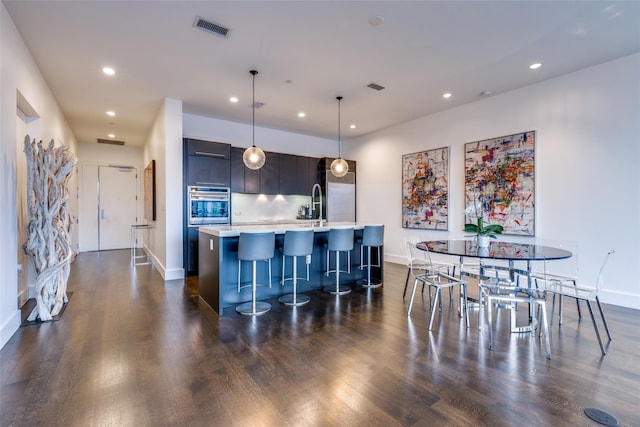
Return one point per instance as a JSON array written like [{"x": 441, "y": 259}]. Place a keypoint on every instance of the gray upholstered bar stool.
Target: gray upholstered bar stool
[
  {"x": 297, "y": 243},
  {"x": 340, "y": 240},
  {"x": 372, "y": 237},
  {"x": 255, "y": 247}
]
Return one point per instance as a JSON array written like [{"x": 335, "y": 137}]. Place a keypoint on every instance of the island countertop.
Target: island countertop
[{"x": 278, "y": 228}]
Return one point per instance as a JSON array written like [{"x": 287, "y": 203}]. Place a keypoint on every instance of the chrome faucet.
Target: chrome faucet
[{"x": 314, "y": 202}]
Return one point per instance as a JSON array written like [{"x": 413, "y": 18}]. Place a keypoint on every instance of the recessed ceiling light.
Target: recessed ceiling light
[
  {"x": 486, "y": 93},
  {"x": 108, "y": 71},
  {"x": 535, "y": 66},
  {"x": 352, "y": 127},
  {"x": 233, "y": 99},
  {"x": 111, "y": 135},
  {"x": 376, "y": 20},
  {"x": 301, "y": 114},
  {"x": 111, "y": 113},
  {"x": 446, "y": 95}
]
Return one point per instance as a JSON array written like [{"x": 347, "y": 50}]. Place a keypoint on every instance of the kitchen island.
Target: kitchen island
[{"x": 218, "y": 263}]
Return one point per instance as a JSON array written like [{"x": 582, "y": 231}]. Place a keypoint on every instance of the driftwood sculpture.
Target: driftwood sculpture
[{"x": 49, "y": 224}]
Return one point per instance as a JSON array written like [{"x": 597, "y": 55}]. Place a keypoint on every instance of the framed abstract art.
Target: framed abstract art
[
  {"x": 500, "y": 182},
  {"x": 425, "y": 189}
]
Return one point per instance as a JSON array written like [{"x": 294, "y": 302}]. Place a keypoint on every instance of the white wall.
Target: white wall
[
  {"x": 90, "y": 153},
  {"x": 19, "y": 74},
  {"x": 239, "y": 135},
  {"x": 587, "y": 179},
  {"x": 164, "y": 145}
]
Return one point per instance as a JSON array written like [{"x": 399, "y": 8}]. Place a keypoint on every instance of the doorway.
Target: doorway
[
  {"x": 21, "y": 206},
  {"x": 109, "y": 206}
]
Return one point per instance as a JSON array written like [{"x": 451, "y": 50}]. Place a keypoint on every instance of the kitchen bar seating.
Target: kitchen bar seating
[
  {"x": 339, "y": 240},
  {"x": 297, "y": 243},
  {"x": 372, "y": 237},
  {"x": 255, "y": 247}
]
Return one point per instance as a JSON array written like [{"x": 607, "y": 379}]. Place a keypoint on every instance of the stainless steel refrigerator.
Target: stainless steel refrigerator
[{"x": 341, "y": 197}]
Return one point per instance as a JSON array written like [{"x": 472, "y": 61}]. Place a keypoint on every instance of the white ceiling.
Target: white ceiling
[{"x": 307, "y": 53}]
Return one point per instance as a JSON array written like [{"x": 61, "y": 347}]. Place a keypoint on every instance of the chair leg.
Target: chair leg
[
  {"x": 595, "y": 326},
  {"x": 553, "y": 308},
  {"x": 604, "y": 321},
  {"x": 490, "y": 320},
  {"x": 480, "y": 308},
  {"x": 543, "y": 307},
  {"x": 406, "y": 282},
  {"x": 465, "y": 303},
  {"x": 413, "y": 293},
  {"x": 433, "y": 306}
]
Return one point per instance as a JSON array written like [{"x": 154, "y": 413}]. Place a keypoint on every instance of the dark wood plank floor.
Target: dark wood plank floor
[{"x": 132, "y": 350}]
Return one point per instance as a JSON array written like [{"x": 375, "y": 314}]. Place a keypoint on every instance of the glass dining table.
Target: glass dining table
[{"x": 498, "y": 251}]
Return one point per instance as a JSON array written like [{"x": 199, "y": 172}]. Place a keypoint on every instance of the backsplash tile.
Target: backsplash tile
[{"x": 260, "y": 207}]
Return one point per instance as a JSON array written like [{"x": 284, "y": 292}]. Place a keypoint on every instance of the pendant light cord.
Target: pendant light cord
[
  {"x": 339, "y": 98},
  {"x": 253, "y": 109}
]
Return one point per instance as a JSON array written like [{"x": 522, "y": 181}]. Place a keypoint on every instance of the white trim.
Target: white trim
[
  {"x": 173, "y": 274},
  {"x": 9, "y": 328}
]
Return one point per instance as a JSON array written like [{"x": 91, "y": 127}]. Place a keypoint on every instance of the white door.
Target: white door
[
  {"x": 117, "y": 206},
  {"x": 90, "y": 210}
]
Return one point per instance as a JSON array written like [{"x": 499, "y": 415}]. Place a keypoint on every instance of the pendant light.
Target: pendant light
[
  {"x": 253, "y": 157},
  {"x": 339, "y": 166}
]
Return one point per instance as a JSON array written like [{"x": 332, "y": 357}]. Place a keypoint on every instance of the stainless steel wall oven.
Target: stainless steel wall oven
[{"x": 208, "y": 206}]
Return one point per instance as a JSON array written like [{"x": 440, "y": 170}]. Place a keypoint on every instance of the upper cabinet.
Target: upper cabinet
[
  {"x": 207, "y": 163},
  {"x": 215, "y": 150},
  {"x": 285, "y": 174},
  {"x": 237, "y": 170},
  {"x": 288, "y": 174}
]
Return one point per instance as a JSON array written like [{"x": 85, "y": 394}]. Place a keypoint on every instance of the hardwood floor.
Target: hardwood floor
[{"x": 132, "y": 350}]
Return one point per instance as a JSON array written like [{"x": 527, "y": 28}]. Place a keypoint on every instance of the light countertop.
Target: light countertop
[{"x": 235, "y": 230}]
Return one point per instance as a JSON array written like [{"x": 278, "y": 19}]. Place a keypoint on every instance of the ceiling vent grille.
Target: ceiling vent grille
[
  {"x": 211, "y": 27},
  {"x": 110, "y": 141},
  {"x": 375, "y": 86}
]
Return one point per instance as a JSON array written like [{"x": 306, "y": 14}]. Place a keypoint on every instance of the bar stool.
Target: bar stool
[
  {"x": 372, "y": 237},
  {"x": 296, "y": 243},
  {"x": 255, "y": 247},
  {"x": 340, "y": 240}
]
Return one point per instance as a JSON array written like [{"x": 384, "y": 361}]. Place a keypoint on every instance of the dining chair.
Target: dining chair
[
  {"x": 437, "y": 280},
  {"x": 507, "y": 295},
  {"x": 417, "y": 263},
  {"x": 561, "y": 287}
]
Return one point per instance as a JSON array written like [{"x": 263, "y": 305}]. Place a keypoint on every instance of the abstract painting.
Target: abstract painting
[
  {"x": 425, "y": 189},
  {"x": 499, "y": 182}
]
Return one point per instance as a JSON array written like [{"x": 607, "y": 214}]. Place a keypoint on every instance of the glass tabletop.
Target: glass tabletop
[{"x": 496, "y": 250}]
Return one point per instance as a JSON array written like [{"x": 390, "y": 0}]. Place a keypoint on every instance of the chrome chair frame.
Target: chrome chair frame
[{"x": 569, "y": 287}]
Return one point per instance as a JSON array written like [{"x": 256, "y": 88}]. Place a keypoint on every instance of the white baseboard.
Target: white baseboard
[
  {"x": 171, "y": 274},
  {"x": 9, "y": 327},
  {"x": 619, "y": 298}
]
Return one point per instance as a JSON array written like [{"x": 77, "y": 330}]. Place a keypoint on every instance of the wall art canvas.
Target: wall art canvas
[
  {"x": 500, "y": 184},
  {"x": 425, "y": 189}
]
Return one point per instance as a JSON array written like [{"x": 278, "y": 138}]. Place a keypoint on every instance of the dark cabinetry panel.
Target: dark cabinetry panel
[
  {"x": 207, "y": 171},
  {"x": 217, "y": 150},
  {"x": 192, "y": 251},
  {"x": 237, "y": 170},
  {"x": 270, "y": 175},
  {"x": 288, "y": 174},
  {"x": 313, "y": 173},
  {"x": 284, "y": 174}
]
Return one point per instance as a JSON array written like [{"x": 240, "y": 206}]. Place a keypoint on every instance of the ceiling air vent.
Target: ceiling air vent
[
  {"x": 210, "y": 27},
  {"x": 110, "y": 141},
  {"x": 375, "y": 86}
]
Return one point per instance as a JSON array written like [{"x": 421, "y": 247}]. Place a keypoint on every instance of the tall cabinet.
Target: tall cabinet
[{"x": 206, "y": 164}]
